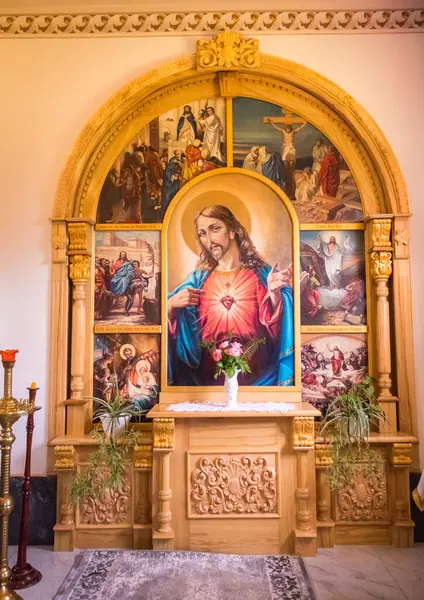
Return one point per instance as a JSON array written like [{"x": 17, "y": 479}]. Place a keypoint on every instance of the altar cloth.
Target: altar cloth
[{"x": 271, "y": 407}]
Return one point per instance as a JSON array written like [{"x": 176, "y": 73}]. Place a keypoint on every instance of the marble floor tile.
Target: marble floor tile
[
  {"x": 357, "y": 590},
  {"x": 404, "y": 564},
  {"x": 413, "y": 590}
]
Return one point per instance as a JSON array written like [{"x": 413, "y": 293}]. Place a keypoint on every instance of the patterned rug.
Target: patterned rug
[{"x": 153, "y": 575}]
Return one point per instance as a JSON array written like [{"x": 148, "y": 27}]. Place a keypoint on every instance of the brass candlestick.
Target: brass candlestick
[
  {"x": 23, "y": 574},
  {"x": 10, "y": 411}
]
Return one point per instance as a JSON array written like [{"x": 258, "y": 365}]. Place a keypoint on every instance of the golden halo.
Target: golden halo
[
  {"x": 211, "y": 198},
  {"x": 124, "y": 347}
]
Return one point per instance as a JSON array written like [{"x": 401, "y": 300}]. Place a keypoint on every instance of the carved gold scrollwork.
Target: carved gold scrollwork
[
  {"x": 381, "y": 265},
  {"x": 303, "y": 432},
  {"x": 163, "y": 433},
  {"x": 233, "y": 485},
  {"x": 111, "y": 508},
  {"x": 78, "y": 236},
  {"x": 64, "y": 457},
  {"x": 365, "y": 499},
  {"x": 402, "y": 454},
  {"x": 79, "y": 267},
  {"x": 142, "y": 457},
  {"x": 381, "y": 232},
  {"x": 323, "y": 455},
  {"x": 228, "y": 50}
]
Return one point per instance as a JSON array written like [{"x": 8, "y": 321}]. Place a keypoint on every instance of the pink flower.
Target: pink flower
[
  {"x": 237, "y": 345},
  {"x": 224, "y": 344},
  {"x": 217, "y": 355},
  {"x": 233, "y": 352}
]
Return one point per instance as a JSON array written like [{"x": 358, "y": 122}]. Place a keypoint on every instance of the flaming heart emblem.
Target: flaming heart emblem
[{"x": 228, "y": 301}]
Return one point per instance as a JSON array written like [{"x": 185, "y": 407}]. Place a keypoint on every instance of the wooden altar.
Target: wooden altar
[
  {"x": 240, "y": 482},
  {"x": 165, "y": 502}
]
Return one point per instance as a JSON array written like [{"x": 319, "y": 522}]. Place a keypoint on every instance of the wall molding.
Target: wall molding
[{"x": 195, "y": 23}]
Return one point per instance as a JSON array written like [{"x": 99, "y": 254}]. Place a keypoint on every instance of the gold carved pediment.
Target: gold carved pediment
[{"x": 228, "y": 50}]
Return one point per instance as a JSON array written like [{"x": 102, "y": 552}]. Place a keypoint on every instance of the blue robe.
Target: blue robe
[
  {"x": 184, "y": 349},
  {"x": 190, "y": 118},
  {"x": 122, "y": 278},
  {"x": 170, "y": 187},
  {"x": 274, "y": 169}
]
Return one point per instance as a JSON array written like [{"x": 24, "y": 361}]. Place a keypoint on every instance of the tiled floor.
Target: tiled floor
[{"x": 342, "y": 573}]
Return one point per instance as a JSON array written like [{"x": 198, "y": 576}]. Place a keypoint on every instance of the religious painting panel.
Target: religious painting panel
[
  {"x": 332, "y": 277},
  {"x": 231, "y": 275},
  {"x": 331, "y": 364},
  {"x": 127, "y": 364},
  {"x": 171, "y": 150},
  {"x": 127, "y": 278},
  {"x": 298, "y": 158}
]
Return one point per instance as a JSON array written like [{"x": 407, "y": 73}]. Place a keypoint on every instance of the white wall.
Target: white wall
[{"x": 51, "y": 87}]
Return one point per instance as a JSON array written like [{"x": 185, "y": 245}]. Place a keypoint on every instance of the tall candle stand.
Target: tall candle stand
[
  {"x": 23, "y": 574},
  {"x": 10, "y": 411}
]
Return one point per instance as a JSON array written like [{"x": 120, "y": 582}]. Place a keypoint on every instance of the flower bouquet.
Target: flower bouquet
[{"x": 232, "y": 358}]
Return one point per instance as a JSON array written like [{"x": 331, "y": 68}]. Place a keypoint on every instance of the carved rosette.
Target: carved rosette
[
  {"x": 402, "y": 454},
  {"x": 365, "y": 499},
  {"x": 64, "y": 457},
  {"x": 163, "y": 433},
  {"x": 113, "y": 508},
  {"x": 233, "y": 485},
  {"x": 228, "y": 50},
  {"x": 303, "y": 433}
]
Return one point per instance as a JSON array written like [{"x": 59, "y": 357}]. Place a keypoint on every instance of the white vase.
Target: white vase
[
  {"x": 114, "y": 428},
  {"x": 231, "y": 390}
]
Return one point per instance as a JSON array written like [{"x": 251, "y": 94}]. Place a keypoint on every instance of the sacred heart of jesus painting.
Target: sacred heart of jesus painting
[{"x": 232, "y": 274}]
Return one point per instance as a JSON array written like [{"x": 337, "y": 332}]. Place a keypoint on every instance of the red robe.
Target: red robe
[{"x": 330, "y": 174}]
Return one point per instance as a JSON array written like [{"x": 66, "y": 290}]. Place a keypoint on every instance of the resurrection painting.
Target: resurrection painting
[
  {"x": 233, "y": 274},
  {"x": 296, "y": 156},
  {"x": 129, "y": 363},
  {"x": 127, "y": 278},
  {"x": 332, "y": 277},
  {"x": 330, "y": 365},
  {"x": 166, "y": 154}
]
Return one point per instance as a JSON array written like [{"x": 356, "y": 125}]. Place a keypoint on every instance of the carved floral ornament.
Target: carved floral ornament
[
  {"x": 236, "y": 485},
  {"x": 199, "y": 22},
  {"x": 112, "y": 508},
  {"x": 365, "y": 499},
  {"x": 228, "y": 50}
]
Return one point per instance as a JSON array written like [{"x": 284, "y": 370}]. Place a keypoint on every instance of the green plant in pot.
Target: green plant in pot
[
  {"x": 347, "y": 425},
  {"x": 107, "y": 464}
]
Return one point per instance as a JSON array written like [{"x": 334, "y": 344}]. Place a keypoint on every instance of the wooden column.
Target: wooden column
[
  {"x": 142, "y": 469},
  {"x": 303, "y": 443},
  {"x": 402, "y": 301},
  {"x": 64, "y": 530},
  {"x": 403, "y": 526},
  {"x": 325, "y": 522},
  {"x": 80, "y": 236},
  {"x": 163, "y": 445},
  {"x": 381, "y": 270}
]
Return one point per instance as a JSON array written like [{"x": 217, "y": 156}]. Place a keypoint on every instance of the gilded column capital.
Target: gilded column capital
[
  {"x": 163, "y": 433},
  {"x": 228, "y": 50},
  {"x": 79, "y": 232},
  {"x": 402, "y": 454},
  {"x": 323, "y": 455},
  {"x": 142, "y": 456},
  {"x": 64, "y": 457},
  {"x": 303, "y": 433},
  {"x": 381, "y": 264},
  {"x": 79, "y": 267},
  {"x": 381, "y": 233}
]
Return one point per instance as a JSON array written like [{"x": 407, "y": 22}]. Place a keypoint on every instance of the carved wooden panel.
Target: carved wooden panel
[
  {"x": 232, "y": 485},
  {"x": 365, "y": 499},
  {"x": 112, "y": 509}
]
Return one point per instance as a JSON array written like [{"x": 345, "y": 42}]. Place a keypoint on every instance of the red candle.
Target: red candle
[{"x": 8, "y": 355}]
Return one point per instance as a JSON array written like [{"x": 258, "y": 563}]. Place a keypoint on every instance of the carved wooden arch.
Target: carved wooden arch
[
  {"x": 207, "y": 74},
  {"x": 277, "y": 80}
]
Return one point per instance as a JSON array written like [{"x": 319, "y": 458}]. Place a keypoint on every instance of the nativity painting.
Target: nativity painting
[
  {"x": 127, "y": 278},
  {"x": 301, "y": 161},
  {"x": 234, "y": 277},
  {"x": 331, "y": 364},
  {"x": 165, "y": 155},
  {"x": 127, "y": 365},
  {"x": 332, "y": 277}
]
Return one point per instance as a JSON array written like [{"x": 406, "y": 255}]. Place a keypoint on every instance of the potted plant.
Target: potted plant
[
  {"x": 346, "y": 425},
  {"x": 106, "y": 466}
]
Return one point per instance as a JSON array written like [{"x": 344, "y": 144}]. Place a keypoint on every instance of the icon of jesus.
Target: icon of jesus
[{"x": 232, "y": 290}]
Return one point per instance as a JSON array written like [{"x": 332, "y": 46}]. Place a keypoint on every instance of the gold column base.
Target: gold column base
[{"x": 7, "y": 594}]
